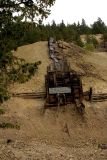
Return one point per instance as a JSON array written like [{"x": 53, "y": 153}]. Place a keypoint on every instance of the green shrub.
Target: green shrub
[
  {"x": 9, "y": 125},
  {"x": 92, "y": 40},
  {"x": 79, "y": 42},
  {"x": 4, "y": 95},
  {"x": 23, "y": 72},
  {"x": 89, "y": 47},
  {"x": 2, "y": 111},
  {"x": 95, "y": 42}
]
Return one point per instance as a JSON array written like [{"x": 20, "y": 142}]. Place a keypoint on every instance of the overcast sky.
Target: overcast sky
[{"x": 74, "y": 10}]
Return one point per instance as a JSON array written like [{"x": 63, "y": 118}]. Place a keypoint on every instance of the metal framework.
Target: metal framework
[{"x": 63, "y": 86}]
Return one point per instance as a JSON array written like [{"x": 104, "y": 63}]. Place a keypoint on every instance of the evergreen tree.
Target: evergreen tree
[
  {"x": 24, "y": 10},
  {"x": 14, "y": 32},
  {"x": 105, "y": 39},
  {"x": 84, "y": 29},
  {"x": 98, "y": 27}
]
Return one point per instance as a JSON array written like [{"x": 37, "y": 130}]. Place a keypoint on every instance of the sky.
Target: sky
[{"x": 74, "y": 10}]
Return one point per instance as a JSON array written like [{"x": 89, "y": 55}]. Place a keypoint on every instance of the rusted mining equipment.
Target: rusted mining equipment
[{"x": 63, "y": 86}]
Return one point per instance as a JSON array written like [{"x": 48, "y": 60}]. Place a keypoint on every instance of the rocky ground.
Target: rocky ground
[{"x": 56, "y": 134}]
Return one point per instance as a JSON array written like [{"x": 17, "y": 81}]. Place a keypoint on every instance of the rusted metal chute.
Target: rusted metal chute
[{"x": 63, "y": 86}]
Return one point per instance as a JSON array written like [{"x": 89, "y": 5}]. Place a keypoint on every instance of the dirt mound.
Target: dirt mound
[
  {"x": 32, "y": 53},
  {"x": 93, "y": 66},
  {"x": 76, "y": 49},
  {"x": 69, "y": 49},
  {"x": 56, "y": 134},
  {"x": 98, "y": 37}
]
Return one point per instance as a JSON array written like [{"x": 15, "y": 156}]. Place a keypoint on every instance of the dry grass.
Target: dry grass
[
  {"x": 56, "y": 135},
  {"x": 31, "y": 53}
]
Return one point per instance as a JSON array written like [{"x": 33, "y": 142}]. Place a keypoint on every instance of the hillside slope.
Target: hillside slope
[
  {"x": 33, "y": 53},
  {"x": 56, "y": 134}
]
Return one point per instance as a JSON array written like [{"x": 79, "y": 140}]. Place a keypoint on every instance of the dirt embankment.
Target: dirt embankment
[
  {"x": 56, "y": 134},
  {"x": 93, "y": 66},
  {"x": 98, "y": 37},
  {"x": 33, "y": 53}
]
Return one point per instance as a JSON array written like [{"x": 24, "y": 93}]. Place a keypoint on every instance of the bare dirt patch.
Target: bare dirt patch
[
  {"x": 33, "y": 53},
  {"x": 57, "y": 134}
]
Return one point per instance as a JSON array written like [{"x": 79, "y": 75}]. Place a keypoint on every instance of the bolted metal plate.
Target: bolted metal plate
[{"x": 58, "y": 90}]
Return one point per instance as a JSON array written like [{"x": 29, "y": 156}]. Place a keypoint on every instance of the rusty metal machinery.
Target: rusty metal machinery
[
  {"x": 62, "y": 85},
  {"x": 63, "y": 88}
]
